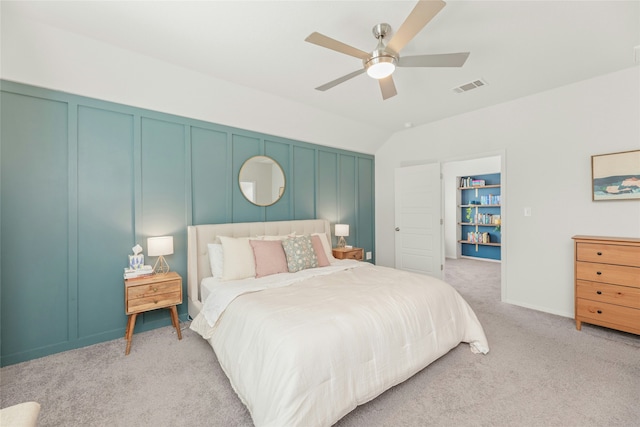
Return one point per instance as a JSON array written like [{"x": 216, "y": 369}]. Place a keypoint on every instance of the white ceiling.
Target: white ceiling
[{"x": 517, "y": 47}]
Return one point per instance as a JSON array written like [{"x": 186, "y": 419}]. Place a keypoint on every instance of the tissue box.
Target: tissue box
[{"x": 136, "y": 261}]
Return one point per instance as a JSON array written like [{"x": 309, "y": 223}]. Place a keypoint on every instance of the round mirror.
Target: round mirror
[{"x": 261, "y": 180}]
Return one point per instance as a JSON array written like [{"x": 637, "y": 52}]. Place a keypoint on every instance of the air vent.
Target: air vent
[{"x": 469, "y": 86}]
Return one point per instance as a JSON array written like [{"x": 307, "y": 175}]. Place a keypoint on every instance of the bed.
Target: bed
[{"x": 306, "y": 348}]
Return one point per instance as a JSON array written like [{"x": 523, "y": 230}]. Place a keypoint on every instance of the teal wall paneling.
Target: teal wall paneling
[
  {"x": 35, "y": 277},
  {"x": 347, "y": 196},
  {"x": 164, "y": 201},
  {"x": 365, "y": 205},
  {"x": 84, "y": 180},
  {"x": 210, "y": 176},
  {"x": 303, "y": 182},
  {"x": 328, "y": 187},
  {"x": 105, "y": 216}
]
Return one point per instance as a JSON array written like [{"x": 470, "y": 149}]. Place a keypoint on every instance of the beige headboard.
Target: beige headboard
[{"x": 198, "y": 236}]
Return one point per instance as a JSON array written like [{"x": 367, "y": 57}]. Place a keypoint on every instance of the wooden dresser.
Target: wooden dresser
[{"x": 607, "y": 282}]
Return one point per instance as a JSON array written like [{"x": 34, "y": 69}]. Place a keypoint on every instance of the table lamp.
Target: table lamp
[
  {"x": 341, "y": 231},
  {"x": 160, "y": 246}
]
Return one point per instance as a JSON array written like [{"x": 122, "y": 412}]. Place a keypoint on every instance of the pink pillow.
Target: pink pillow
[
  {"x": 269, "y": 256},
  {"x": 323, "y": 261}
]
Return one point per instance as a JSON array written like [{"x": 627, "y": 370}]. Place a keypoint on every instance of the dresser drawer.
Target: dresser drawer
[
  {"x": 153, "y": 302},
  {"x": 152, "y": 289},
  {"x": 608, "y": 254},
  {"x": 607, "y": 273},
  {"x": 608, "y": 314},
  {"x": 612, "y": 294}
]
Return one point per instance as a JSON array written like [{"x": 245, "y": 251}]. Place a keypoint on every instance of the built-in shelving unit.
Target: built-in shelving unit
[{"x": 479, "y": 223}]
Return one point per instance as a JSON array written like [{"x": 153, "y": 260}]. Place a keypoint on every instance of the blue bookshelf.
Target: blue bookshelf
[{"x": 480, "y": 216}]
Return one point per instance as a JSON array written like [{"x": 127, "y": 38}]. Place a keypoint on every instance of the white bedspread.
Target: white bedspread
[{"x": 308, "y": 353}]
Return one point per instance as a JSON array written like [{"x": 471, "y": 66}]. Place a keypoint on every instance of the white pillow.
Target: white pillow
[
  {"x": 326, "y": 246},
  {"x": 216, "y": 259},
  {"x": 238, "y": 258}
]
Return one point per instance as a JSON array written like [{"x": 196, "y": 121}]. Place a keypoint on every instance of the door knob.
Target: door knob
[{"x": 397, "y": 228}]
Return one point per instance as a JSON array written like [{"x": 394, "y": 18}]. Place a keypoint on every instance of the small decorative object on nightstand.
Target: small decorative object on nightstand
[
  {"x": 349, "y": 253},
  {"x": 150, "y": 293}
]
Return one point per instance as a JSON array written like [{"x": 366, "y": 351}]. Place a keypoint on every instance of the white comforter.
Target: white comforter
[{"x": 308, "y": 353}]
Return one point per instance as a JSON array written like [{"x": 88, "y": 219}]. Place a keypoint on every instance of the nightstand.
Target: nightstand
[
  {"x": 150, "y": 293},
  {"x": 349, "y": 253}
]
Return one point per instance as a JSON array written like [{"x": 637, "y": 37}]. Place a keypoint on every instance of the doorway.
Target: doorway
[{"x": 451, "y": 170}]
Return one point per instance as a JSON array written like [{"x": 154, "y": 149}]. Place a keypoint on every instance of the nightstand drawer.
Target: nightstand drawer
[
  {"x": 152, "y": 302},
  {"x": 349, "y": 253},
  {"x": 152, "y": 289}
]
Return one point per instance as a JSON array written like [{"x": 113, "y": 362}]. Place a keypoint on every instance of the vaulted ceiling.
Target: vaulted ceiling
[{"x": 517, "y": 47}]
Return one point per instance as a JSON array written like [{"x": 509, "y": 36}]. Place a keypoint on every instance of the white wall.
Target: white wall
[
  {"x": 547, "y": 140},
  {"x": 48, "y": 57}
]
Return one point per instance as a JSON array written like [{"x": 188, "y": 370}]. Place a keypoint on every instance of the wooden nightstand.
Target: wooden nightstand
[
  {"x": 150, "y": 293},
  {"x": 349, "y": 253}
]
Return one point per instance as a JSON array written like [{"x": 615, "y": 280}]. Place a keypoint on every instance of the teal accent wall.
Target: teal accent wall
[{"x": 84, "y": 180}]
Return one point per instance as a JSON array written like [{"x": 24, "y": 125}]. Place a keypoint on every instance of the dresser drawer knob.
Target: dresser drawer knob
[
  {"x": 599, "y": 311},
  {"x": 156, "y": 289},
  {"x": 599, "y": 273},
  {"x": 599, "y": 292},
  {"x": 599, "y": 253}
]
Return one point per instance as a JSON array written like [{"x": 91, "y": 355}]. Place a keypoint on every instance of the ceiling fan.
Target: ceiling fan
[{"x": 382, "y": 62}]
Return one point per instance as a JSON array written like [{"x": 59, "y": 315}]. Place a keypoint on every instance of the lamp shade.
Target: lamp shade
[
  {"x": 157, "y": 246},
  {"x": 342, "y": 230}
]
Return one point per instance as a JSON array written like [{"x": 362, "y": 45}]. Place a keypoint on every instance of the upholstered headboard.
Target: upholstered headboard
[{"x": 198, "y": 236}]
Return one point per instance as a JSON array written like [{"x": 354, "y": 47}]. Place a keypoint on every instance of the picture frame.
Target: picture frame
[{"x": 615, "y": 176}]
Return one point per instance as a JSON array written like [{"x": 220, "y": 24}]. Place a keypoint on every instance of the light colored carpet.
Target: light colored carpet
[{"x": 540, "y": 372}]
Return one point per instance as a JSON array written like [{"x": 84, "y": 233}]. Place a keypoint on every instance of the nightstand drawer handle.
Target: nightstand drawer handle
[
  {"x": 155, "y": 301},
  {"x": 599, "y": 253},
  {"x": 599, "y": 311},
  {"x": 599, "y": 292},
  {"x": 599, "y": 273},
  {"x": 155, "y": 289}
]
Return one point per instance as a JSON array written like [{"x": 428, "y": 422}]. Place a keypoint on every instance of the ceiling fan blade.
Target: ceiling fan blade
[
  {"x": 329, "y": 43},
  {"x": 388, "y": 87},
  {"x": 420, "y": 16},
  {"x": 437, "y": 60},
  {"x": 342, "y": 79}
]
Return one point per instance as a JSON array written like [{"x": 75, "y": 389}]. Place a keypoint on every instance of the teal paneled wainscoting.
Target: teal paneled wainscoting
[{"x": 84, "y": 180}]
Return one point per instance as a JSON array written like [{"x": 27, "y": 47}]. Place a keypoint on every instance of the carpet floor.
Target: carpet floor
[{"x": 540, "y": 372}]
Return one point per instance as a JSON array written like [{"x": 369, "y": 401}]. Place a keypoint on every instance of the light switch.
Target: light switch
[{"x": 527, "y": 211}]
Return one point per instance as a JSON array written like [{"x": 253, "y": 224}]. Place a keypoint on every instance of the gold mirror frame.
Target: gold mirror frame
[{"x": 261, "y": 180}]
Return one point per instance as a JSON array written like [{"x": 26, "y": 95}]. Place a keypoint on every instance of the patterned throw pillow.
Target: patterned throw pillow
[{"x": 300, "y": 253}]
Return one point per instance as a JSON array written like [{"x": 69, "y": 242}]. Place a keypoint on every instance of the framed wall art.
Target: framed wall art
[{"x": 616, "y": 176}]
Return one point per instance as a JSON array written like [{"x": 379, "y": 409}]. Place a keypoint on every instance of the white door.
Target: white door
[{"x": 418, "y": 229}]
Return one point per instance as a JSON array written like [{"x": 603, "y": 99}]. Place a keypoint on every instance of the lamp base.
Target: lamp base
[
  {"x": 161, "y": 266},
  {"x": 341, "y": 242}
]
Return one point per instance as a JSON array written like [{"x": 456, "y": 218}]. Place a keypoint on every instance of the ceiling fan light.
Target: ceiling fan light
[{"x": 381, "y": 67}]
